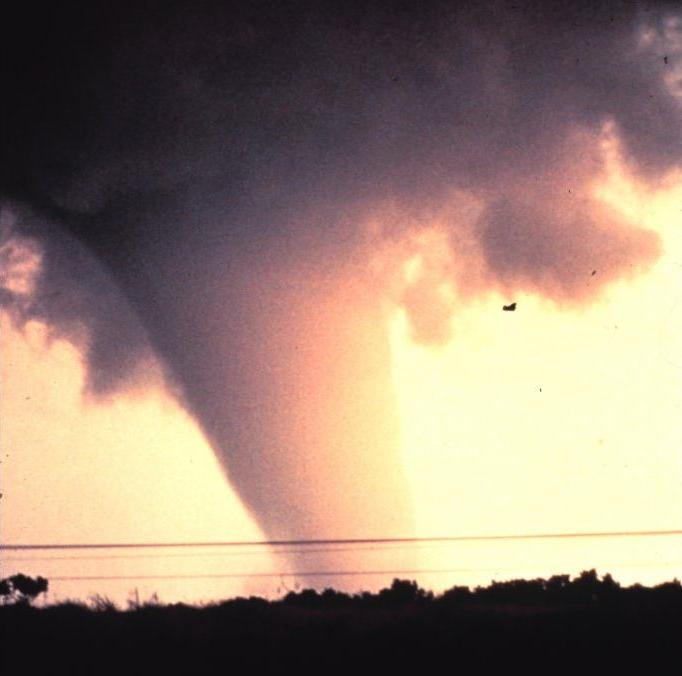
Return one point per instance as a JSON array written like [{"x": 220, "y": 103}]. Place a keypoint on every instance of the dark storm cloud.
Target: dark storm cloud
[
  {"x": 220, "y": 159},
  {"x": 525, "y": 253},
  {"x": 75, "y": 296}
]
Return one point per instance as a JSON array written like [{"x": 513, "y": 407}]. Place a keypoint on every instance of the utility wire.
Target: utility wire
[
  {"x": 318, "y": 573},
  {"x": 345, "y": 541},
  {"x": 281, "y": 574},
  {"x": 260, "y": 552}
]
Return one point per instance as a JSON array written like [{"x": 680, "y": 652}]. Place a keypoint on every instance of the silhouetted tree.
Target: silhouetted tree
[
  {"x": 557, "y": 583},
  {"x": 21, "y": 588},
  {"x": 404, "y": 591},
  {"x": 457, "y": 593}
]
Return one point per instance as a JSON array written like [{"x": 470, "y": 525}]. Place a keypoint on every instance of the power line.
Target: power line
[
  {"x": 321, "y": 573},
  {"x": 300, "y": 573},
  {"x": 345, "y": 541},
  {"x": 260, "y": 552}
]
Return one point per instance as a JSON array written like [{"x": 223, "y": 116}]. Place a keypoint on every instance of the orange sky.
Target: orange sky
[
  {"x": 542, "y": 420},
  {"x": 556, "y": 420}
]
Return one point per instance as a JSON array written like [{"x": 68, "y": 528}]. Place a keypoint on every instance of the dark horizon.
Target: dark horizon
[{"x": 555, "y": 622}]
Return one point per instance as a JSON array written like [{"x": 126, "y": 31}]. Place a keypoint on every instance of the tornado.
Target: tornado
[{"x": 222, "y": 163}]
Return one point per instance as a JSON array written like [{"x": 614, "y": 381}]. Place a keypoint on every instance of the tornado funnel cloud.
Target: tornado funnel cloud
[{"x": 222, "y": 163}]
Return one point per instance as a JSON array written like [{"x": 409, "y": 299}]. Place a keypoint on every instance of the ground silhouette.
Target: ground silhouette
[{"x": 551, "y": 625}]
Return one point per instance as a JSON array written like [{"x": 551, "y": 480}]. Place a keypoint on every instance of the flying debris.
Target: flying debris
[{"x": 509, "y": 308}]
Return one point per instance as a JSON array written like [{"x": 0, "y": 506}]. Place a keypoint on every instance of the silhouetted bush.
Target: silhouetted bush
[
  {"x": 102, "y": 604},
  {"x": 21, "y": 588}
]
